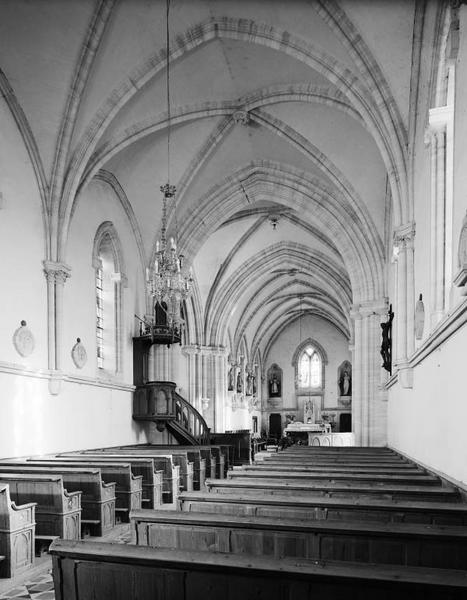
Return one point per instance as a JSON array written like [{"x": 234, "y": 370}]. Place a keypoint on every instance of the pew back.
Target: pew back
[
  {"x": 97, "y": 499},
  {"x": 322, "y": 508},
  {"x": 85, "y": 571},
  {"x": 144, "y": 467},
  {"x": 395, "y": 543},
  {"x": 58, "y": 512},
  {"x": 17, "y": 529}
]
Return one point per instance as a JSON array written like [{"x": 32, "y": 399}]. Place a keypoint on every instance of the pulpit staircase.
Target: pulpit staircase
[{"x": 158, "y": 401}]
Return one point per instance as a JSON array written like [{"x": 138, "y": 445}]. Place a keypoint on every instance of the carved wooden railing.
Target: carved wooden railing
[{"x": 159, "y": 401}]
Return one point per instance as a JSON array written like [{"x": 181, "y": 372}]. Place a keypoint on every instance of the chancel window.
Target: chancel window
[
  {"x": 310, "y": 368},
  {"x": 309, "y": 361}
]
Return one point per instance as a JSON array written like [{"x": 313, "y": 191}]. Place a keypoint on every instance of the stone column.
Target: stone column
[
  {"x": 191, "y": 352},
  {"x": 404, "y": 307},
  {"x": 369, "y": 411},
  {"x": 440, "y": 139},
  {"x": 208, "y": 381},
  {"x": 56, "y": 274},
  {"x": 214, "y": 359}
]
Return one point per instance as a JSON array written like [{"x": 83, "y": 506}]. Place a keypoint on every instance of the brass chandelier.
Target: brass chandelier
[{"x": 169, "y": 285}]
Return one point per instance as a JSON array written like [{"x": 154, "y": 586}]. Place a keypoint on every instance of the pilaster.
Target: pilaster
[
  {"x": 369, "y": 410},
  {"x": 56, "y": 274}
]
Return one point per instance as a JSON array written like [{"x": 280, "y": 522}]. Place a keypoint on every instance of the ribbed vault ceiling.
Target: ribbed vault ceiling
[{"x": 288, "y": 110}]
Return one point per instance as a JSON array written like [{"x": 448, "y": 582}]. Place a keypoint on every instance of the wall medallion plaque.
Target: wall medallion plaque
[
  {"x": 23, "y": 340},
  {"x": 79, "y": 354}
]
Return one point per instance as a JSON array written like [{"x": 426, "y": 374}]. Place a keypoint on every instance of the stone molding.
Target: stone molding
[
  {"x": 443, "y": 331},
  {"x": 449, "y": 326},
  {"x": 22, "y": 371}
]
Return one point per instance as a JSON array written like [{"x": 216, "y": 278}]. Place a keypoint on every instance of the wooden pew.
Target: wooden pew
[
  {"x": 329, "y": 458},
  {"x": 162, "y": 462},
  {"x": 322, "y": 508},
  {"x": 58, "y": 512},
  {"x": 185, "y": 461},
  {"x": 204, "y": 451},
  {"x": 330, "y": 469},
  {"x": 144, "y": 467},
  {"x": 323, "y": 464},
  {"x": 193, "y": 474},
  {"x": 217, "y": 458},
  {"x": 341, "y": 476},
  {"x": 17, "y": 529},
  {"x": 97, "y": 499},
  {"x": 358, "y": 541},
  {"x": 128, "y": 487},
  {"x": 248, "y": 486},
  {"x": 89, "y": 570},
  {"x": 194, "y": 458},
  {"x": 342, "y": 450}
]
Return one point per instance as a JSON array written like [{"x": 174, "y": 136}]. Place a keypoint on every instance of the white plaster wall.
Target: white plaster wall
[
  {"x": 22, "y": 248},
  {"x": 98, "y": 203},
  {"x": 427, "y": 422},
  {"x": 82, "y": 416}
]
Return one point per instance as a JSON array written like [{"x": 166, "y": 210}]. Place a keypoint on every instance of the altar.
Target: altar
[{"x": 320, "y": 434}]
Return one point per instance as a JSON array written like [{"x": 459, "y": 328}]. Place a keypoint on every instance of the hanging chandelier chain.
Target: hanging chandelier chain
[
  {"x": 167, "y": 76},
  {"x": 169, "y": 285}
]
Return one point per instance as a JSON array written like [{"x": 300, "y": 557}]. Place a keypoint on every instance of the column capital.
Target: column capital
[
  {"x": 368, "y": 308},
  {"x": 205, "y": 350},
  {"x": 57, "y": 272},
  {"x": 404, "y": 235},
  {"x": 439, "y": 117}
]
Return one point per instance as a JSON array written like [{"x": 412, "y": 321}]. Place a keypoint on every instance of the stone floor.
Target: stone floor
[{"x": 37, "y": 583}]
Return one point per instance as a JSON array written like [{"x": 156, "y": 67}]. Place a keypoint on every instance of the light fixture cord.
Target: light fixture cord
[
  {"x": 169, "y": 116},
  {"x": 167, "y": 75}
]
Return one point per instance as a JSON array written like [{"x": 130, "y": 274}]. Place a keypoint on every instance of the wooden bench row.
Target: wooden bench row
[
  {"x": 89, "y": 570},
  {"x": 323, "y": 508},
  {"x": 300, "y": 489},
  {"x": 358, "y": 541},
  {"x": 304, "y": 531},
  {"x": 97, "y": 496}
]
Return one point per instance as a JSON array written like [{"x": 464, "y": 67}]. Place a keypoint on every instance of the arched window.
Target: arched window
[
  {"x": 107, "y": 263},
  {"x": 309, "y": 374},
  {"x": 309, "y": 360}
]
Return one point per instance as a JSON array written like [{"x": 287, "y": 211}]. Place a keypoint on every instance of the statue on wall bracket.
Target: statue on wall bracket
[
  {"x": 344, "y": 379},
  {"x": 460, "y": 280},
  {"x": 231, "y": 378},
  {"x": 275, "y": 381},
  {"x": 386, "y": 343}
]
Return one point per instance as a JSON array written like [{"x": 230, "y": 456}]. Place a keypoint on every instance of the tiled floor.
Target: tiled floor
[
  {"x": 37, "y": 584},
  {"x": 40, "y": 587}
]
